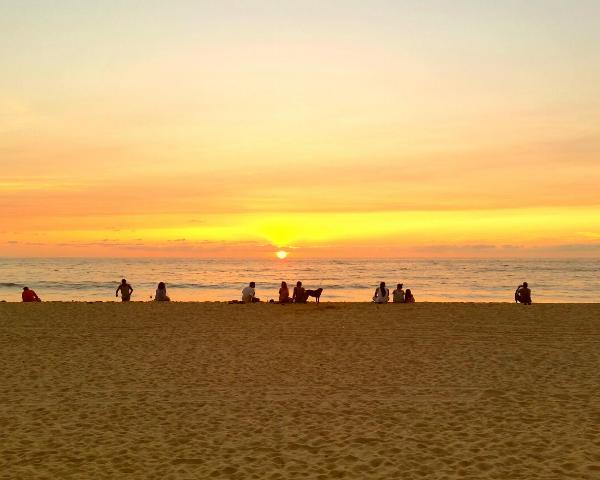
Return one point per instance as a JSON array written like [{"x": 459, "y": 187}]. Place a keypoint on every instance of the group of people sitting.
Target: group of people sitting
[
  {"x": 382, "y": 294},
  {"x": 299, "y": 294}
]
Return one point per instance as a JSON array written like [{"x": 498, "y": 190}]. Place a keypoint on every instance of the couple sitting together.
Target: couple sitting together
[
  {"x": 382, "y": 294},
  {"x": 300, "y": 294}
]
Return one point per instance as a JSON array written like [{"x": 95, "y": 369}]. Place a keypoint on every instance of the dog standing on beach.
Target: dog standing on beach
[{"x": 314, "y": 293}]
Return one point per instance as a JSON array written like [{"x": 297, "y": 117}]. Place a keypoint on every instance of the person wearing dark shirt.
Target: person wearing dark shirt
[
  {"x": 299, "y": 295},
  {"x": 284, "y": 293},
  {"x": 126, "y": 291},
  {"x": 523, "y": 294}
]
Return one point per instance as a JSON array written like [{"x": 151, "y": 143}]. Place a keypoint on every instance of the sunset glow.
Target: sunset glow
[{"x": 351, "y": 129}]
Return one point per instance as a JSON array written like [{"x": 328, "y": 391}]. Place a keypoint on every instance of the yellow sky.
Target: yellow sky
[{"x": 428, "y": 128}]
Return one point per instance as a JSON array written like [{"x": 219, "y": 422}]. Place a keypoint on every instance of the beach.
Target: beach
[{"x": 336, "y": 390}]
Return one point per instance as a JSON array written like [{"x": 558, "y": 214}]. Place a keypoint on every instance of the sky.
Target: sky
[{"x": 324, "y": 128}]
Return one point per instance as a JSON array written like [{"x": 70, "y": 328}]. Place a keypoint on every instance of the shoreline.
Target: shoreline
[{"x": 323, "y": 302}]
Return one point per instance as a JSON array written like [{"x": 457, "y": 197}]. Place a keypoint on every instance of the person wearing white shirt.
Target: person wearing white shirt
[
  {"x": 248, "y": 294},
  {"x": 382, "y": 294}
]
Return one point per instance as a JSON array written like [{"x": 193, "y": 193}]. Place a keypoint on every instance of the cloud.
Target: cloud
[
  {"x": 457, "y": 247},
  {"x": 590, "y": 235},
  {"x": 576, "y": 247}
]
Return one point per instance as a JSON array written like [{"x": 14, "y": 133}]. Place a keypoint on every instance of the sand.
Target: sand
[{"x": 194, "y": 391}]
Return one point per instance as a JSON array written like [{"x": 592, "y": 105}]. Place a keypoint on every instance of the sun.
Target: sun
[{"x": 281, "y": 254}]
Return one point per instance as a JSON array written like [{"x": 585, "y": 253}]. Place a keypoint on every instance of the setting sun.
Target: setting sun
[{"x": 281, "y": 254}]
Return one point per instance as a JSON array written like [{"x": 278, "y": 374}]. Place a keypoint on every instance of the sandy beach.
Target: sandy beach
[{"x": 210, "y": 390}]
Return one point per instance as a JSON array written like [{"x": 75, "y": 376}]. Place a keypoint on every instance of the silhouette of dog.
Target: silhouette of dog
[{"x": 314, "y": 293}]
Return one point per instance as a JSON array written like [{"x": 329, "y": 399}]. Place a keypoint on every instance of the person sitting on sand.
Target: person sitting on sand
[
  {"x": 382, "y": 294},
  {"x": 249, "y": 295},
  {"x": 523, "y": 294},
  {"x": 299, "y": 295},
  {"x": 398, "y": 294},
  {"x": 126, "y": 291},
  {"x": 29, "y": 295},
  {"x": 284, "y": 293},
  {"x": 161, "y": 293},
  {"x": 408, "y": 297}
]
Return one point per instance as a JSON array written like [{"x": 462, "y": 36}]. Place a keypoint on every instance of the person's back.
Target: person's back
[
  {"x": 382, "y": 294},
  {"x": 161, "y": 293},
  {"x": 409, "y": 297},
  {"x": 29, "y": 295},
  {"x": 299, "y": 295},
  {"x": 523, "y": 294},
  {"x": 248, "y": 293},
  {"x": 284, "y": 293},
  {"x": 398, "y": 294}
]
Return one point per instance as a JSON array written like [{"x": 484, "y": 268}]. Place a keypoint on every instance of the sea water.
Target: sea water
[{"x": 455, "y": 280}]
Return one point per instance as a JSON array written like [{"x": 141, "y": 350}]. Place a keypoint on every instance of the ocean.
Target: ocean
[{"x": 446, "y": 280}]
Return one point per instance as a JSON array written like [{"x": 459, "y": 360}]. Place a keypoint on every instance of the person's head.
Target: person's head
[
  {"x": 408, "y": 292},
  {"x": 283, "y": 285},
  {"x": 400, "y": 286},
  {"x": 382, "y": 285},
  {"x": 525, "y": 284},
  {"x": 123, "y": 281},
  {"x": 161, "y": 286},
  {"x": 298, "y": 284},
  {"x": 25, "y": 289},
  {"x": 252, "y": 284}
]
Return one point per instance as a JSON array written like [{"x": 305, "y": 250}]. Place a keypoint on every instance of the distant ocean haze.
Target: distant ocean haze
[{"x": 455, "y": 280}]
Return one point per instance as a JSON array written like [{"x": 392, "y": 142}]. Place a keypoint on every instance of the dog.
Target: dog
[{"x": 314, "y": 293}]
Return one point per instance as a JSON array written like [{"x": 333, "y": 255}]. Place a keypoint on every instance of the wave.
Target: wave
[{"x": 341, "y": 279}]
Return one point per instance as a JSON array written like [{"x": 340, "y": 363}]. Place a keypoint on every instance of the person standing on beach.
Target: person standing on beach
[
  {"x": 523, "y": 294},
  {"x": 398, "y": 294},
  {"x": 29, "y": 295},
  {"x": 382, "y": 294},
  {"x": 126, "y": 291}
]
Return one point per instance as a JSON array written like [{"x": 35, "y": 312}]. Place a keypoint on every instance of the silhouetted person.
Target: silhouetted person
[
  {"x": 161, "y": 293},
  {"x": 249, "y": 294},
  {"x": 523, "y": 294},
  {"x": 126, "y": 291},
  {"x": 382, "y": 294},
  {"x": 408, "y": 296},
  {"x": 299, "y": 295},
  {"x": 29, "y": 295},
  {"x": 284, "y": 293},
  {"x": 398, "y": 294}
]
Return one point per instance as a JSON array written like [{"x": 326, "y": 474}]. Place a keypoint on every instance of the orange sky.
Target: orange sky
[{"x": 423, "y": 129}]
